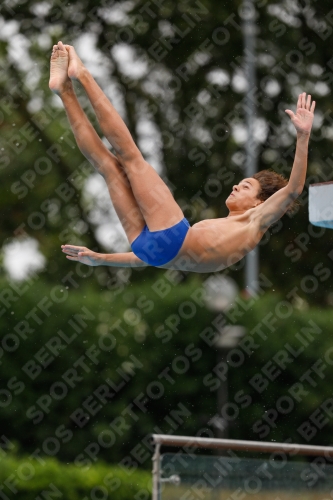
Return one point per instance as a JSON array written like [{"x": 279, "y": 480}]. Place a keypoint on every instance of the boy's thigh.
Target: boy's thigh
[{"x": 156, "y": 202}]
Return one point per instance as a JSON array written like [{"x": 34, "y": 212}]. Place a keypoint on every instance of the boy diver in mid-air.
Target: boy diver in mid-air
[{"x": 154, "y": 223}]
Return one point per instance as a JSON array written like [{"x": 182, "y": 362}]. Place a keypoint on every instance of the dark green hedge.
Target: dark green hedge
[{"x": 27, "y": 479}]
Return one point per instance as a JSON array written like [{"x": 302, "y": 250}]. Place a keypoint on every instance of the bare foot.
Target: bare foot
[
  {"x": 59, "y": 67},
  {"x": 76, "y": 66}
]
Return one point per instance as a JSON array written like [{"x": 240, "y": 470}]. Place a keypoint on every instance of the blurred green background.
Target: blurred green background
[{"x": 93, "y": 360}]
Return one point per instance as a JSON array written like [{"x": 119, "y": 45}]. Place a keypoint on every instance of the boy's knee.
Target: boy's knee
[{"x": 133, "y": 163}]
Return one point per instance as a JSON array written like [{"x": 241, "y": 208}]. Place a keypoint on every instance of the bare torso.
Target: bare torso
[{"x": 212, "y": 245}]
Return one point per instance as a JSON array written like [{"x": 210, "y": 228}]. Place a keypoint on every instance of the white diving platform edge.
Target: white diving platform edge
[{"x": 321, "y": 204}]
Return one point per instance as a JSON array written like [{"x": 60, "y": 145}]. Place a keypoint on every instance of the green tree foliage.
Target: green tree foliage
[
  {"x": 89, "y": 376},
  {"x": 284, "y": 378},
  {"x": 82, "y": 368}
]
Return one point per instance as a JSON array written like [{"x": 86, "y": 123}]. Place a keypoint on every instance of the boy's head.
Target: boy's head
[
  {"x": 253, "y": 191},
  {"x": 244, "y": 195}
]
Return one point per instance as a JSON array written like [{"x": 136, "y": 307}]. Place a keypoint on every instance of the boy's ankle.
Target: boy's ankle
[{"x": 67, "y": 88}]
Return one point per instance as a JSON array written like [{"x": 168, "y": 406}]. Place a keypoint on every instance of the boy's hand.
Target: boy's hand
[
  {"x": 303, "y": 118},
  {"x": 81, "y": 254}
]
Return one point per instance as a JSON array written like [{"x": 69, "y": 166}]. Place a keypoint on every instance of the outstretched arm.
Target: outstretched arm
[
  {"x": 302, "y": 121},
  {"x": 277, "y": 204},
  {"x": 90, "y": 258}
]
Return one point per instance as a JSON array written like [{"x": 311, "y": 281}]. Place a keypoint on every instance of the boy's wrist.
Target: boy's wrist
[
  {"x": 304, "y": 136},
  {"x": 101, "y": 259}
]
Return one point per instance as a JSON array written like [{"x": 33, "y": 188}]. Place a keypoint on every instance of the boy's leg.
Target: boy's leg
[
  {"x": 94, "y": 150},
  {"x": 154, "y": 198}
]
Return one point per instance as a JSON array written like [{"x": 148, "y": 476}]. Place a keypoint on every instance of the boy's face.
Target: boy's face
[{"x": 244, "y": 195}]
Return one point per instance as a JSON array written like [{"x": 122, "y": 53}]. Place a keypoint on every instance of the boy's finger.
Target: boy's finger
[
  {"x": 72, "y": 247},
  {"x": 304, "y": 100},
  {"x": 70, "y": 252},
  {"x": 290, "y": 113},
  {"x": 299, "y": 102}
]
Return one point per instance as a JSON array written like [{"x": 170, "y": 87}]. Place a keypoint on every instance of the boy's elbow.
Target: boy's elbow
[{"x": 295, "y": 192}]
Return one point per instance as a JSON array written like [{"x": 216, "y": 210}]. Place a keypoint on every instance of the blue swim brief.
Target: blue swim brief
[{"x": 159, "y": 247}]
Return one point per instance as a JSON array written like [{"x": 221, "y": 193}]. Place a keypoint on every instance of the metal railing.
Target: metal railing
[{"x": 226, "y": 444}]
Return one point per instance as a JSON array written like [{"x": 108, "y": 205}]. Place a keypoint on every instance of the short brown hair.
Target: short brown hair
[{"x": 270, "y": 182}]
